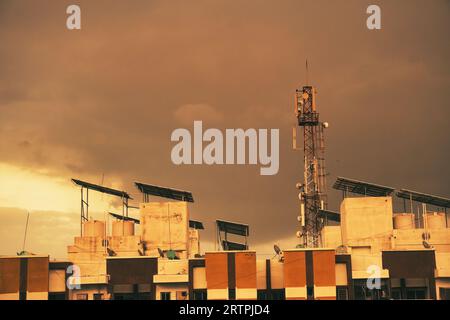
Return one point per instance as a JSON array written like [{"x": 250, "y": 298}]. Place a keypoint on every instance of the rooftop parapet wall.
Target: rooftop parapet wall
[
  {"x": 439, "y": 239},
  {"x": 367, "y": 221}
]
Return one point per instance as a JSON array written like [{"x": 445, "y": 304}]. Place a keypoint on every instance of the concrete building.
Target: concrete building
[
  {"x": 33, "y": 277},
  {"x": 408, "y": 254},
  {"x": 411, "y": 256}
]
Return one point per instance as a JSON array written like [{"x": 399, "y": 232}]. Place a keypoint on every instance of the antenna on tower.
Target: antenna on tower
[
  {"x": 307, "y": 75},
  {"x": 312, "y": 195}
]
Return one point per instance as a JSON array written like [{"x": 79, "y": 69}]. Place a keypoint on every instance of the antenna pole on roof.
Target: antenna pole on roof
[
  {"x": 26, "y": 229},
  {"x": 307, "y": 71}
]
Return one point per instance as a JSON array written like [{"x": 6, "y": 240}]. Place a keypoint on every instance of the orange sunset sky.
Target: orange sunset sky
[{"x": 103, "y": 101}]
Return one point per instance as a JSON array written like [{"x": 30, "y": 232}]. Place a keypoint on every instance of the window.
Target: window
[
  {"x": 56, "y": 296},
  {"x": 165, "y": 295},
  {"x": 278, "y": 294},
  {"x": 182, "y": 295},
  {"x": 396, "y": 293},
  {"x": 310, "y": 292},
  {"x": 363, "y": 293},
  {"x": 82, "y": 296},
  {"x": 416, "y": 293},
  {"x": 261, "y": 295},
  {"x": 231, "y": 294},
  {"x": 444, "y": 293},
  {"x": 341, "y": 293},
  {"x": 200, "y": 294},
  {"x": 98, "y": 296}
]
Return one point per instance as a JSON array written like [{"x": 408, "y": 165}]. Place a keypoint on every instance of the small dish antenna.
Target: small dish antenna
[
  {"x": 278, "y": 252},
  {"x": 426, "y": 245}
]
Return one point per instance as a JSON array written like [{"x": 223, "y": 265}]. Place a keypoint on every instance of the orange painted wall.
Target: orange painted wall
[
  {"x": 37, "y": 271},
  {"x": 216, "y": 270},
  {"x": 9, "y": 275},
  {"x": 245, "y": 263},
  {"x": 294, "y": 269},
  {"x": 324, "y": 268}
]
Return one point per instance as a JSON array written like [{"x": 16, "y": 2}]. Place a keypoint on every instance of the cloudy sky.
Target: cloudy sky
[{"x": 103, "y": 101}]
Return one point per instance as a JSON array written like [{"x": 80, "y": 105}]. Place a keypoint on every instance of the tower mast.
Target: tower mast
[{"x": 313, "y": 190}]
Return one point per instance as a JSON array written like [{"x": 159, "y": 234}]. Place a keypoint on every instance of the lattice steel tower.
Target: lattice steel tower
[{"x": 313, "y": 189}]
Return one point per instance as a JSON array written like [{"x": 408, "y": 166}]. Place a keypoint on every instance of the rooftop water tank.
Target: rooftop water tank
[
  {"x": 436, "y": 220},
  {"x": 404, "y": 221},
  {"x": 94, "y": 228},
  {"x": 122, "y": 228}
]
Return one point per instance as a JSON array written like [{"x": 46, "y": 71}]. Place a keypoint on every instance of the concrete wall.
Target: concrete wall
[
  {"x": 199, "y": 281},
  {"x": 88, "y": 253},
  {"x": 194, "y": 243},
  {"x": 57, "y": 281},
  {"x": 165, "y": 225},
  {"x": 261, "y": 281},
  {"x": 166, "y": 266},
  {"x": 331, "y": 236},
  {"x": 413, "y": 239},
  {"x": 367, "y": 221}
]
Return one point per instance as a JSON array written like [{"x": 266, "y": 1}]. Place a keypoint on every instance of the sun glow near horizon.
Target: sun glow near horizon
[{"x": 39, "y": 191}]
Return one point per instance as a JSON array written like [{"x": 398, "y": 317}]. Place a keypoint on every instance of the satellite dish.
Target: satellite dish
[
  {"x": 277, "y": 249},
  {"x": 341, "y": 249},
  {"x": 161, "y": 253},
  {"x": 111, "y": 252},
  {"x": 278, "y": 253},
  {"x": 426, "y": 245},
  {"x": 171, "y": 255}
]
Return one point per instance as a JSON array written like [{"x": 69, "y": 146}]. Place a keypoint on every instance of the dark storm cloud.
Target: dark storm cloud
[{"x": 106, "y": 99}]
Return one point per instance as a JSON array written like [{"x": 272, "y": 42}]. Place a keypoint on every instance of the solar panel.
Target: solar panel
[
  {"x": 233, "y": 227},
  {"x": 114, "y": 192},
  {"x": 424, "y": 198},
  {"x": 330, "y": 215},
  {"x": 169, "y": 193},
  {"x": 228, "y": 245},
  {"x": 196, "y": 225},
  {"x": 361, "y": 187},
  {"x": 120, "y": 217}
]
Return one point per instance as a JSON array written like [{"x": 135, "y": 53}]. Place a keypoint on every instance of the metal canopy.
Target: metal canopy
[
  {"x": 228, "y": 245},
  {"x": 424, "y": 198},
  {"x": 361, "y": 187},
  {"x": 169, "y": 193},
  {"x": 233, "y": 228},
  {"x": 120, "y": 217},
  {"x": 196, "y": 225},
  {"x": 91, "y": 186},
  {"x": 330, "y": 215}
]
